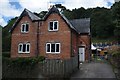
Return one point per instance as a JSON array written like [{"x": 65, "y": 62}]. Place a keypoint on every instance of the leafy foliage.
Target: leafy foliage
[
  {"x": 41, "y": 14},
  {"x": 60, "y": 6},
  {"x": 6, "y": 54},
  {"x": 6, "y": 36},
  {"x": 101, "y": 23},
  {"x": 116, "y": 17},
  {"x": 23, "y": 61}
]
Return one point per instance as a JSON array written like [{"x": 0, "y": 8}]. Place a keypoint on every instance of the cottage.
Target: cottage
[{"x": 54, "y": 36}]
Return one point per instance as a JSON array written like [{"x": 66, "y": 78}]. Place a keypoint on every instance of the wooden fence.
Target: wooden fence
[
  {"x": 45, "y": 69},
  {"x": 61, "y": 68}
]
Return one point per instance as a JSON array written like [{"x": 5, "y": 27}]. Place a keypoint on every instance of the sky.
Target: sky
[{"x": 12, "y": 8}]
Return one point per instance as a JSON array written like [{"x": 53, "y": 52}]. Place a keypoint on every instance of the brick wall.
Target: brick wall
[
  {"x": 63, "y": 36},
  {"x": 69, "y": 40},
  {"x": 18, "y": 37},
  {"x": 74, "y": 43},
  {"x": 84, "y": 40}
]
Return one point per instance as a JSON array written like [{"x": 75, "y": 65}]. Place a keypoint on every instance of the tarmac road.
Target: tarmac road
[{"x": 94, "y": 70}]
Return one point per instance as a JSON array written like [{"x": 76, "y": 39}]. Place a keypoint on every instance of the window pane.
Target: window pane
[
  {"x": 55, "y": 25},
  {"x": 23, "y": 28},
  {"x": 20, "y": 47},
  {"x": 28, "y": 47},
  {"x": 57, "y": 48},
  {"x": 27, "y": 27},
  {"x": 52, "y": 47},
  {"x": 48, "y": 47},
  {"x": 51, "y": 26},
  {"x": 24, "y": 47}
]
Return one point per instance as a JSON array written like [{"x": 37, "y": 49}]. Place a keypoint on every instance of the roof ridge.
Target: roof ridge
[
  {"x": 31, "y": 14},
  {"x": 80, "y": 19}
]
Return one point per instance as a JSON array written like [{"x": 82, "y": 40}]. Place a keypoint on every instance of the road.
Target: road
[{"x": 94, "y": 70}]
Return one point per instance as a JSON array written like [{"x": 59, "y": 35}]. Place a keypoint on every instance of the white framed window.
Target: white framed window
[
  {"x": 52, "y": 47},
  {"x": 24, "y": 48},
  {"x": 25, "y": 28},
  {"x": 53, "y": 26}
]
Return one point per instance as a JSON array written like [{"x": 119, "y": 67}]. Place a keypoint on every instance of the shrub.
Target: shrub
[
  {"x": 5, "y": 54},
  {"x": 116, "y": 54},
  {"x": 22, "y": 62}
]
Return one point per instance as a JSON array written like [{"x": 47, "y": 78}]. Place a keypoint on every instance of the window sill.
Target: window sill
[
  {"x": 24, "y": 52},
  {"x": 52, "y": 30},
  {"x": 52, "y": 53},
  {"x": 24, "y": 32}
]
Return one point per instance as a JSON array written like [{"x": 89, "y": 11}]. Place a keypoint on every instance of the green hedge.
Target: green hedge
[
  {"x": 23, "y": 61},
  {"x": 116, "y": 54},
  {"x": 21, "y": 67},
  {"x": 115, "y": 58}
]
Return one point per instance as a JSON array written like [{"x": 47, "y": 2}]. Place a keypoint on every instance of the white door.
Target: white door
[{"x": 81, "y": 54}]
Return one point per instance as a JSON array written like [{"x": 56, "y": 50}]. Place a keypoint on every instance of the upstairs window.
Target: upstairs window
[
  {"x": 24, "y": 48},
  {"x": 53, "y": 26},
  {"x": 25, "y": 28},
  {"x": 53, "y": 48}
]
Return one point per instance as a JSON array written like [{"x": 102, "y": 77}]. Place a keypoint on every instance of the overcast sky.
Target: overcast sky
[{"x": 12, "y": 8}]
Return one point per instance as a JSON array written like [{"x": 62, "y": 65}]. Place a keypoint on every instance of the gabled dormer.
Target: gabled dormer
[
  {"x": 25, "y": 24},
  {"x": 53, "y": 24}
]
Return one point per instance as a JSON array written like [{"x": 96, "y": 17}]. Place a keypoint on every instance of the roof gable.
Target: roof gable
[
  {"x": 55, "y": 10},
  {"x": 79, "y": 25},
  {"x": 52, "y": 10},
  {"x": 32, "y": 16}
]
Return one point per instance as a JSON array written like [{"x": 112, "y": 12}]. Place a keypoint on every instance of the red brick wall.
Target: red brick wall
[
  {"x": 84, "y": 40},
  {"x": 74, "y": 43},
  {"x": 68, "y": 39},
  {"x": 63, "y": 36},
  {"x": 18, "y": 37}
]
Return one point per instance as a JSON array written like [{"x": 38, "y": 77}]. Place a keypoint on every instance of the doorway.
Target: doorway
[{"x": 81, "y": 54}]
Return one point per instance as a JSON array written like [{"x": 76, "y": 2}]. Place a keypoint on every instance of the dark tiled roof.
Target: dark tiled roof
[
  {"x": 32, "y": 16},
  {"x": 82, "y": 25},
  {"x": 79, "y": 25}
]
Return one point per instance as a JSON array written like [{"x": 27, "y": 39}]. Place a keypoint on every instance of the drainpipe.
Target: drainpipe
[
  {"x": 37, "y": 52},
  {"x": 78, "y": 49},
  {"x": 71, "y": 44},
  {"x": 90, "y": 52}
]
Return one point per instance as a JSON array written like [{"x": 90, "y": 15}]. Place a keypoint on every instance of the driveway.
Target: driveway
[{"x": 94, "y": 70}]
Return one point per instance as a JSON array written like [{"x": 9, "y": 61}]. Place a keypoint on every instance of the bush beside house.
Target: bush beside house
[
  {"x": 21, "y": 67},
  {"x": 114, "y": 58}
]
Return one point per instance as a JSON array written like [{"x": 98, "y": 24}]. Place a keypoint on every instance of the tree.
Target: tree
[
  {"x": 79, "y": 13},
  {"x": 101, "y": 23},
  {"x": 116, "y": 18},
  {"x": 41, "y": 14},
  {"x": 6, "y": 36},
  {"x": 60, "y": 6},
  {"x": 68, "y": 14}
]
